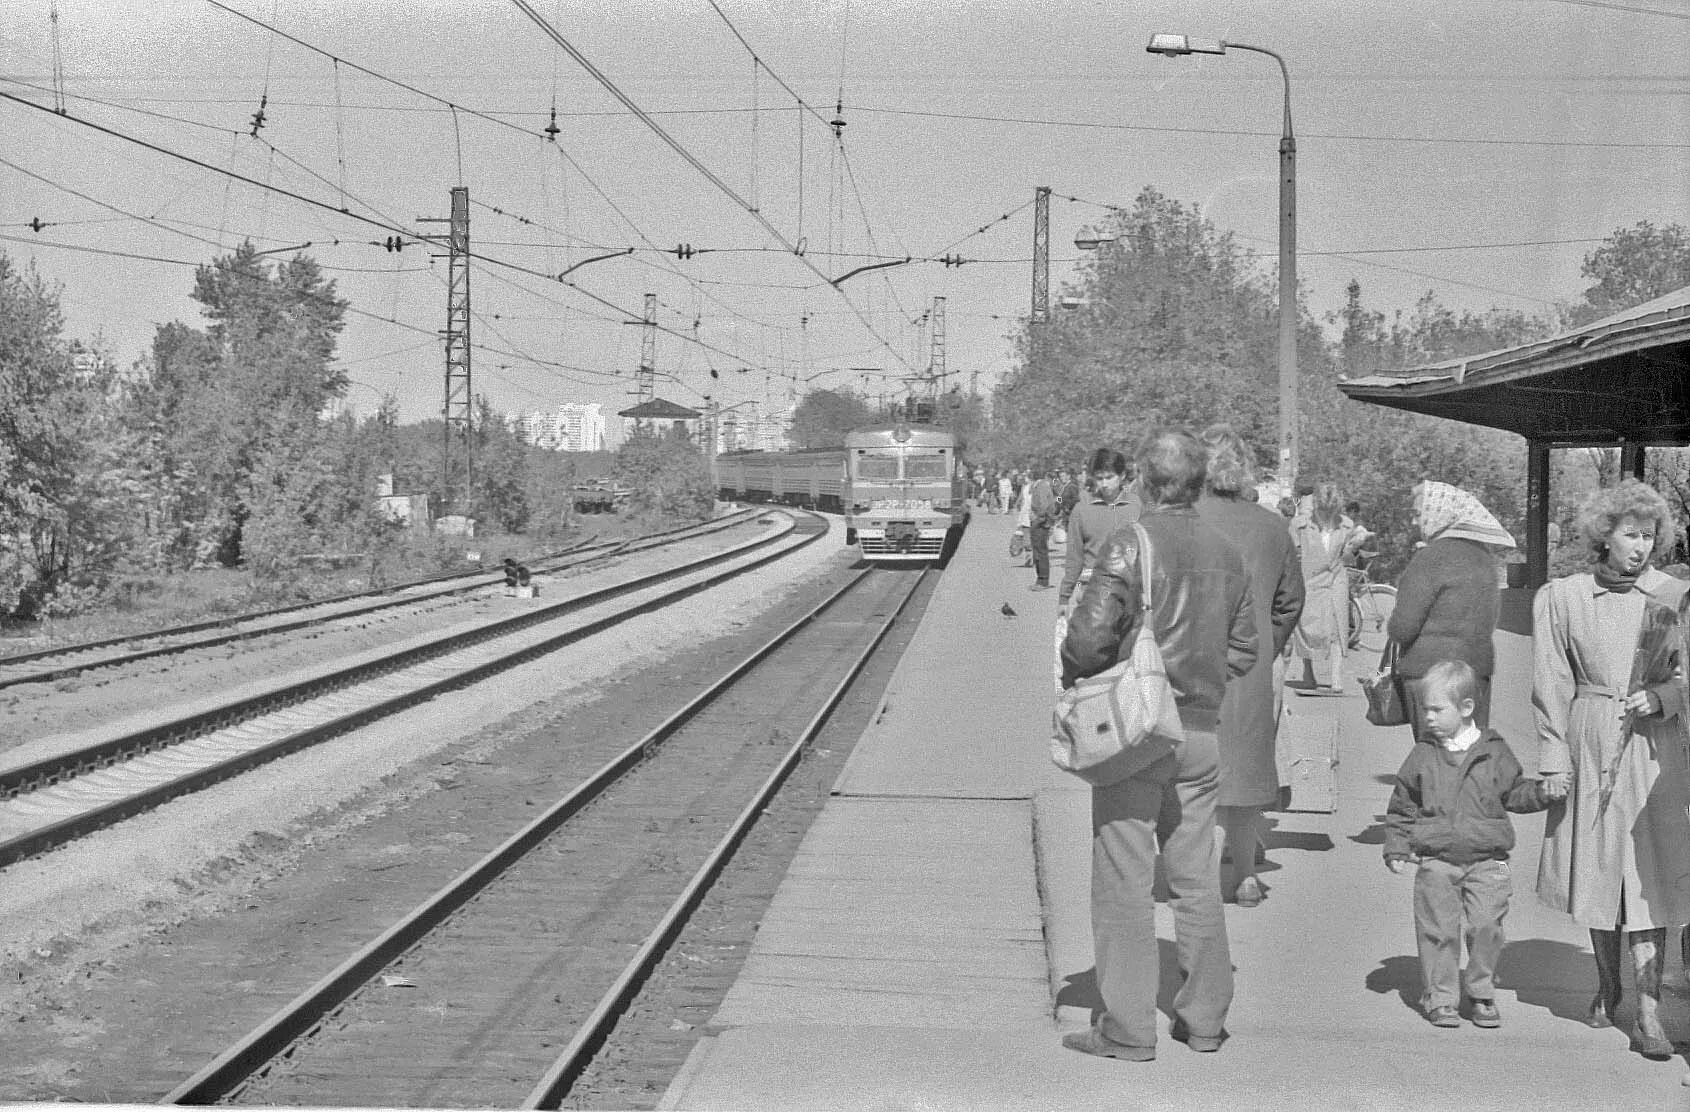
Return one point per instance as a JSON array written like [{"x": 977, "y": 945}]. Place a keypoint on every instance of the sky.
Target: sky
[{"x": 1475, "y": 148}]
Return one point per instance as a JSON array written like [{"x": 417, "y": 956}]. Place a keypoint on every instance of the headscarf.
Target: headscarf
[{"x": 1449, "y": 511}]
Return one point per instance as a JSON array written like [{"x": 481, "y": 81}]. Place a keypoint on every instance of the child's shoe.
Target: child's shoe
[
  {"x": 1485, "y": 1014},
  {"x": 1443, "y": 1016}
]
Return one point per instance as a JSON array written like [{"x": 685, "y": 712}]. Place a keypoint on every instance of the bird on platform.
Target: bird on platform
[{"x": 1007, "y": 610}]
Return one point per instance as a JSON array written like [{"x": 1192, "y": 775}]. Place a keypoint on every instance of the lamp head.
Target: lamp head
[
  {"x": 1173, "y": 46},
  {"x": 1088, "y": 241}
]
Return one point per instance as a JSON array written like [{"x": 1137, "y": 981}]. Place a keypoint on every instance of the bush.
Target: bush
[{"x": 666, "y": 477}]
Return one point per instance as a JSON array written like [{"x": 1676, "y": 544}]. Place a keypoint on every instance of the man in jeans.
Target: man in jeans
[{"x": 1201, "y": 613}]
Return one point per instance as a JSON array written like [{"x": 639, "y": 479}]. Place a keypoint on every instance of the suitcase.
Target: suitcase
[{"x": 1308, "y": 752}]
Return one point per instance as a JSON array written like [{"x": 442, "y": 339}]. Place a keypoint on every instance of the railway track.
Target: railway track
[
  {"x": 496, "y": 990},
  {"x": 60, "y": 662},
  {"x": 59, "y": 798}
]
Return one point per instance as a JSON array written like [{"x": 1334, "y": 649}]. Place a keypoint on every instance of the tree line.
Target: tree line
[{"x": 224, "y": 445}]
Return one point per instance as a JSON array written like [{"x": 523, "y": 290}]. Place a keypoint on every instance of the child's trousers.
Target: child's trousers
[{"x": 1443, "y": 895}]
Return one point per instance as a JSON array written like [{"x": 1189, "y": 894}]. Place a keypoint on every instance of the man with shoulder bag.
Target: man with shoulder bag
[
  {"x": 1042, "y": 506},
  {"x": 1199, "y": 608}
]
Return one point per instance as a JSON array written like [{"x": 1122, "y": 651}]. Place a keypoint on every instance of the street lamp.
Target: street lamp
[
  {"x": 1092, "y": 241},
  {"x": 1173, "y": 46}
]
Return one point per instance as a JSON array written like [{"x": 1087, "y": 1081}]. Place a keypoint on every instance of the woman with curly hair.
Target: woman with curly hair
[{"x": 1609, "y": 700}]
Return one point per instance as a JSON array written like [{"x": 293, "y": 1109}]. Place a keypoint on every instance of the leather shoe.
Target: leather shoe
[
  {"x": 1250, "y": 892},
  {"x": 1092, "y": 1041},
  {"x": 1203, "y": 1044},
  {"x": 1485, "y": 1014},
  {"x": 1039, "y": 587}
]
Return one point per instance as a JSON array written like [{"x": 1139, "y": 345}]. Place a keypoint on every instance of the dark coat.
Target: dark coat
[
  {"x": 1454, "y": 806},
  {"x": 1447, "y": 607},
  {"x": 1248, "y": 724},
  {"x": 1201, "y": 607}
]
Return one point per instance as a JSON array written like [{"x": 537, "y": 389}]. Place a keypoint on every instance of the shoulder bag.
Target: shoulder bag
[
  {"x": 1385, "y": 703},
  {"x": 1113, "y": 725}
]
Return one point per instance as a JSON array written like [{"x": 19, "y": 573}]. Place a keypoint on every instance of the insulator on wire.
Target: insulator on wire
[
  {"x": 684, "y": 251},
  {"x": 37, "y": 224},
  {"x": 258, "y": 116},
  {"x": 552, "y": 129},
  {"x": 394, "y": 243}
]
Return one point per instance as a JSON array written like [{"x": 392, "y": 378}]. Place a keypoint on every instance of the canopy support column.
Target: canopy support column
[
  {"x": 1632, "y": 460},
  {"x": 1537, "y": 513}
]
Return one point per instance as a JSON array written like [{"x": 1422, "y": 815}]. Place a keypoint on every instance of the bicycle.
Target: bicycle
[{"x": 1370, "y": 607}]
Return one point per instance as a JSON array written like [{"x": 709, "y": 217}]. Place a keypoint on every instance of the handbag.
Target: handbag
[
  {"x": 1113, "y": 725},
  {"x": 1385, "y": 703}
]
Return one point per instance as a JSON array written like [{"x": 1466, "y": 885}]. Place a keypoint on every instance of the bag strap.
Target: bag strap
[{"x": 1144, "y": 567}]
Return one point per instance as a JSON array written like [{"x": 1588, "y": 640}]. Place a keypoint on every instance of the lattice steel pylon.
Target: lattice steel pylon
[
  {"x": 458, "y": 479},
  {"x": 646, "y": 382},
  {"x": 936, "y": 360},
  {"x": 1041, "y": 254}
]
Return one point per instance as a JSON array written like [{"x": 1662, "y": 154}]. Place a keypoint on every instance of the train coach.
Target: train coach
[{"x": 900, "y": 488}]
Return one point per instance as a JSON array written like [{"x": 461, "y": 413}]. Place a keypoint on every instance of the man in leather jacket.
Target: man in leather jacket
[{"x": 1201, "y": 610}]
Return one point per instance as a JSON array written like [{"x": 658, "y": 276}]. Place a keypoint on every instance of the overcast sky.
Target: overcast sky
[{"x": 1478, "y": 148}]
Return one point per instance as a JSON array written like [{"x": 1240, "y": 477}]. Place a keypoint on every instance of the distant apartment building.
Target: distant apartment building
[
  {"x": 572, "y": 427},
  {"x": 750, "y": 430}
]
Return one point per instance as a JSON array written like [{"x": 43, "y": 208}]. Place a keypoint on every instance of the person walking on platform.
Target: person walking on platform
[
  {"x": 1114, "y": 504},
  {"x": 1041, "y": 515},
  {"x": 1249, "y": 723},
  {"x": 1204, "y": 623},
  {"x": 1448, "y": 602},
  {"x": 1326, "y": 545},
  {"x": 1609, "y": 699},
  {"x": 1004, "y": 501}
]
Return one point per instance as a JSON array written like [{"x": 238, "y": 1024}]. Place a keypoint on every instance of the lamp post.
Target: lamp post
[{"x": 1173, "y": 46}]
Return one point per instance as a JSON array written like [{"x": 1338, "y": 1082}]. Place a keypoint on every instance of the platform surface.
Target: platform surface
[{"x": 932, "y": 941}]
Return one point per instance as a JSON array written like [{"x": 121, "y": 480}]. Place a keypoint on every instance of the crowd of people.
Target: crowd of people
[{"x": 1241, "y": 592}]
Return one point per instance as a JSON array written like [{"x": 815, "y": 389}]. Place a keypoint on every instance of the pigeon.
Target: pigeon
[{"x": 1007, "y": 610}]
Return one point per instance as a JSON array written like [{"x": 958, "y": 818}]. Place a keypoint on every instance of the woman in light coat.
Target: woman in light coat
[
  {"x": 1326, "y": 544},
  {"x": 1609, "y": 700}
]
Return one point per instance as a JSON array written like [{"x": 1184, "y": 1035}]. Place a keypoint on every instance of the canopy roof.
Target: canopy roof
[
  {"x": 1623, "y": 378},
  {"x": 661, "y": 409}
]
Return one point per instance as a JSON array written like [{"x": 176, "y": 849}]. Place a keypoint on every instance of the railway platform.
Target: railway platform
[{"x": 931, "y": 942}]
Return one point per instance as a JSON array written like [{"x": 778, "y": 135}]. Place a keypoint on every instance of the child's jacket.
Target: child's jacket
[{"x": 1454, "y": 806}]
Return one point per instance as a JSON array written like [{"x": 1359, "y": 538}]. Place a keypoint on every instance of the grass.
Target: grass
[{"x": 192, "y": 596}]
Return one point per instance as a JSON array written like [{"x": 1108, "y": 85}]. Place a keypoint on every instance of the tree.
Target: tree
[
  {"x": 823, "y": 417},
  {"x": 666, "y": 476},
  {"x": 1177, "y": 325},
  {"x": 262, "y": 368},
  {"x": 1633, "y": 265}
]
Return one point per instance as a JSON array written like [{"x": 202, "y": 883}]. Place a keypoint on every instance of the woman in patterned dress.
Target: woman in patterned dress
[
  {"x": 1609, "y": 700},
  {"x": 1326, "y": 542}
]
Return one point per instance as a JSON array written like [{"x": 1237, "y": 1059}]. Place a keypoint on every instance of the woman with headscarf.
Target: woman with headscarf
[
  {"x": 1613, "y": 726},
  {"x": 1447, "y": 598},
  {"x": 1326, "y": 545}
]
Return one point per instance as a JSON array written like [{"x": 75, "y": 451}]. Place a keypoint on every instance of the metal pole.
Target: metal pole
[{"x": 1289, "y": 439}]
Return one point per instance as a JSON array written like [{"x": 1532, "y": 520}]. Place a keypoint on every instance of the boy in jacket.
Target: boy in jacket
[{"x": 1449, "y": 814}]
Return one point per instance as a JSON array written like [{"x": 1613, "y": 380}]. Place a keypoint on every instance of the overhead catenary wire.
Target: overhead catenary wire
[
  {"x": 377, "y": 222},
  {"x": 697, "y": 164}
]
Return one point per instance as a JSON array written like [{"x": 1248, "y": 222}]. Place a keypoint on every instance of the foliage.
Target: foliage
[
  {"x": 666, "y": 476},
  {"x": 1633, "y": 265},
  {"x": 823, "y": 417},
  {"x": 262, "y": 368},
  {"x": 1176, "y": 324}
]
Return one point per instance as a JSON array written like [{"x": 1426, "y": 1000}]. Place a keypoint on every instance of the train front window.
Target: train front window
[
  {"x": 926, "y": 468},
  {"x": 877, "y": 466}
]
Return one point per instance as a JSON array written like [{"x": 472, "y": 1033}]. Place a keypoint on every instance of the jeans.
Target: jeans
[
  {"x": 1443, "y": 894},
  {"x": 1172, "y": 803}
]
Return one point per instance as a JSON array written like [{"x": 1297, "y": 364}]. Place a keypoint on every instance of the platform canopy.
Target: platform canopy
[
  {"x": 1624, "y": 379},
  {"x": 658, "y": 409}
]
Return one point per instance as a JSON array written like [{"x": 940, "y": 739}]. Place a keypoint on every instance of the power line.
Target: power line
[
  {"x": 693, "y": 161},
  {"x": 1346, "y": 136}
]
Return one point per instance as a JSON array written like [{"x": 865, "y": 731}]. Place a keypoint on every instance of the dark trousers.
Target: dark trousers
[
  {"x": 1039, "y": 537},
  {"x": 1171, "y": 804}
]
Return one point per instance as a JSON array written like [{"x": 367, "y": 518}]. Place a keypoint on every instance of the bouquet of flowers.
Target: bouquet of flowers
[{"x": 1659, "y": 649}]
